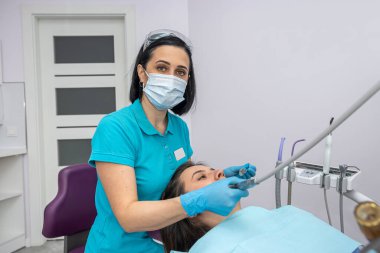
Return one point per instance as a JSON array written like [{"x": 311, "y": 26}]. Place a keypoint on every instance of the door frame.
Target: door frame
[{"x": 35, "y": 197}]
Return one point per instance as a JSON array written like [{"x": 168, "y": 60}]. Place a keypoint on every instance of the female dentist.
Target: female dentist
[{"x": 137, "y": 149}]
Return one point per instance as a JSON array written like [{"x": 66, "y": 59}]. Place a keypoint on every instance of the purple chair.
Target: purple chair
[{"x": 72, "y": 212}]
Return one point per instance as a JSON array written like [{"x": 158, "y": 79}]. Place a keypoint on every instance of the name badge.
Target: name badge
[{"x": 179, "y": 154}]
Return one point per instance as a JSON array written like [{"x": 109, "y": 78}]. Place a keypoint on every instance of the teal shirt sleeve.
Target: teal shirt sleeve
[{"x": 113, "y": 142}]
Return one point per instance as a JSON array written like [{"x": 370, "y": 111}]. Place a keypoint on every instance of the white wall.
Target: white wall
[
  {"x": 150, "y": 15},
  {"x": 271, "y": 68}
]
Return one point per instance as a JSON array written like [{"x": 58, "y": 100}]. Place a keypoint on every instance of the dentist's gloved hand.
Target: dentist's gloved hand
[
  {"x": 250, "y": 171},
  {"x": 216, "y": 197}
]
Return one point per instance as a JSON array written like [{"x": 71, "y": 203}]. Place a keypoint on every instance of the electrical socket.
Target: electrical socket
[{"x": 12, "y": 131}]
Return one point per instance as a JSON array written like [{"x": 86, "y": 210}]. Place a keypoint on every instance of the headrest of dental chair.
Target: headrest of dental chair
[
  {"x": 156, "y": 235},
  {"x": 73, "y": 209}
]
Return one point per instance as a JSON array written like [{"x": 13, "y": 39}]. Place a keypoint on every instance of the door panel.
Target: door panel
[
  {"x": 82, "y": 64},
  {"x": 73, "y": 151},
  {"x": 85, "y": 101},
  {"x": 84, "y": 49}
]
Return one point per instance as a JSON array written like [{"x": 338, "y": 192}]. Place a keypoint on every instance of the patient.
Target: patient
[{"x": 251, "y": 229}]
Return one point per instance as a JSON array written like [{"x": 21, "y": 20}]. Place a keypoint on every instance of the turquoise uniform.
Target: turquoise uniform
[{"x": 127, "y": 137}]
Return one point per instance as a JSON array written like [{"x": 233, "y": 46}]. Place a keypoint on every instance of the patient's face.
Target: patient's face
[{"x": 199, "y": 176}]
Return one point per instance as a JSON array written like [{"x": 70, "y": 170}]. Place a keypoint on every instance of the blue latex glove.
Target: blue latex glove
[
  {"x": 216, "y": 197},
  {"x": 250, "y": 171}
]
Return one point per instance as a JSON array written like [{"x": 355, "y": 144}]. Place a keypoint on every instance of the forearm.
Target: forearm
[
  {"x": 151, "y": 215},
  {"x": 119, "y": 182}
]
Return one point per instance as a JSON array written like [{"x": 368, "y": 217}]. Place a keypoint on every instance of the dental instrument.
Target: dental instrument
[
  {"x": 245, "y": 171},
  {"x": 291, "y": 175},
  {"x": 327, "y": 206},
  {"x": 279, "y": 174},
  {"x": 242, "y": 171},
  {"x": 245, "y": 185},
  {"x": 325, "y": 182},
  {"x": 353, "y": 108},
  {"x": 326, "y": 164},
  {"x": 342, "y": 188}
]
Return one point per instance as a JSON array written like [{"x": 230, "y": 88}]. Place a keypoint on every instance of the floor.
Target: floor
[{"x": 55, "y": 246}]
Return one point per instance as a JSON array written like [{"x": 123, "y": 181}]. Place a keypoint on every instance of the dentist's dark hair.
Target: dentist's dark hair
[
  {"x": 181, "y": 235},
  {"x": 144, "y": 56}
]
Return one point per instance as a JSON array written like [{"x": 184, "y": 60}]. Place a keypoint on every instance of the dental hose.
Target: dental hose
[
  {"x": 342, "y": 190},
  {"x": 327, "y": 206},
  {"x": 341, "y": 211},
  {"x": 279, "y": 175},
  {"x": 289, "y": 193},
  {"x": 326, "y": 171},
  {"x": 290, "y": 175},
  {"x": 278, "y": 193}
]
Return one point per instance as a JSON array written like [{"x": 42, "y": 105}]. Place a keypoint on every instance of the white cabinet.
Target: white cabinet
[
  {"x": 12, "y": 205},
  {"x": 12, "y": 152}
]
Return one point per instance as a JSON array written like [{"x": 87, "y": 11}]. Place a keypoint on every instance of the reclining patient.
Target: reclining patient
[{"x": 251, "y": 229}]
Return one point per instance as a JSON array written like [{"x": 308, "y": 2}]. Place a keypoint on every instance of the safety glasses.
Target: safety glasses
[{"x": 158, "y": 34}]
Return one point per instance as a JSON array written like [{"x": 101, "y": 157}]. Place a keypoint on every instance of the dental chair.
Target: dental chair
[{"x": 72, "y": 211}]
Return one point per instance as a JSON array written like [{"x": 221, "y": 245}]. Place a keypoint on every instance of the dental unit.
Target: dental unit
[
  {"x": 324, "y": 175},
  {"x": 249, "y": 183}
]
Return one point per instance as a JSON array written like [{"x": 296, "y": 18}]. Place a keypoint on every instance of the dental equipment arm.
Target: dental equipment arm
[
  {"x": 357, "y": 196},
  {"x": 372, "y": 91}
]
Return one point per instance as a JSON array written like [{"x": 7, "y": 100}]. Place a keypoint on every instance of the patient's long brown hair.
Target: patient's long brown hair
[{"x": 183, "y": 234}]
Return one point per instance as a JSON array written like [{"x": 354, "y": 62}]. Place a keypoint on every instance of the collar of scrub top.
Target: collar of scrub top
[
  {"x": 144, "y": 123},
  {"x": 160, "y": 33}
]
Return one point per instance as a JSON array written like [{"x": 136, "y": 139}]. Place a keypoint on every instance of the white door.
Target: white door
[{"x": 82, "y": 69}]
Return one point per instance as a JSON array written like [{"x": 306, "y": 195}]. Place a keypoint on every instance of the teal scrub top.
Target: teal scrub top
[{"x": 127, "y": 137}]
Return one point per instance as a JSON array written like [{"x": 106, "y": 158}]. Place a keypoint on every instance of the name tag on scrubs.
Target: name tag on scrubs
[{"x": 179, "y": 154}]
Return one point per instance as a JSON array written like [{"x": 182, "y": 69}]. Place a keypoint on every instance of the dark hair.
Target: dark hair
[
  {"x": 181, "y": 235},
  {"x": 144, "y": 56}
]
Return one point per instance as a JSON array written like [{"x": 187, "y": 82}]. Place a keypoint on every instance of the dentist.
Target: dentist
[{"x": 137, "y": 149}]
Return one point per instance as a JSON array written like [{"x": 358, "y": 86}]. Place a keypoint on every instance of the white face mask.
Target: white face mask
[{"x": 164, "y": 91}]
